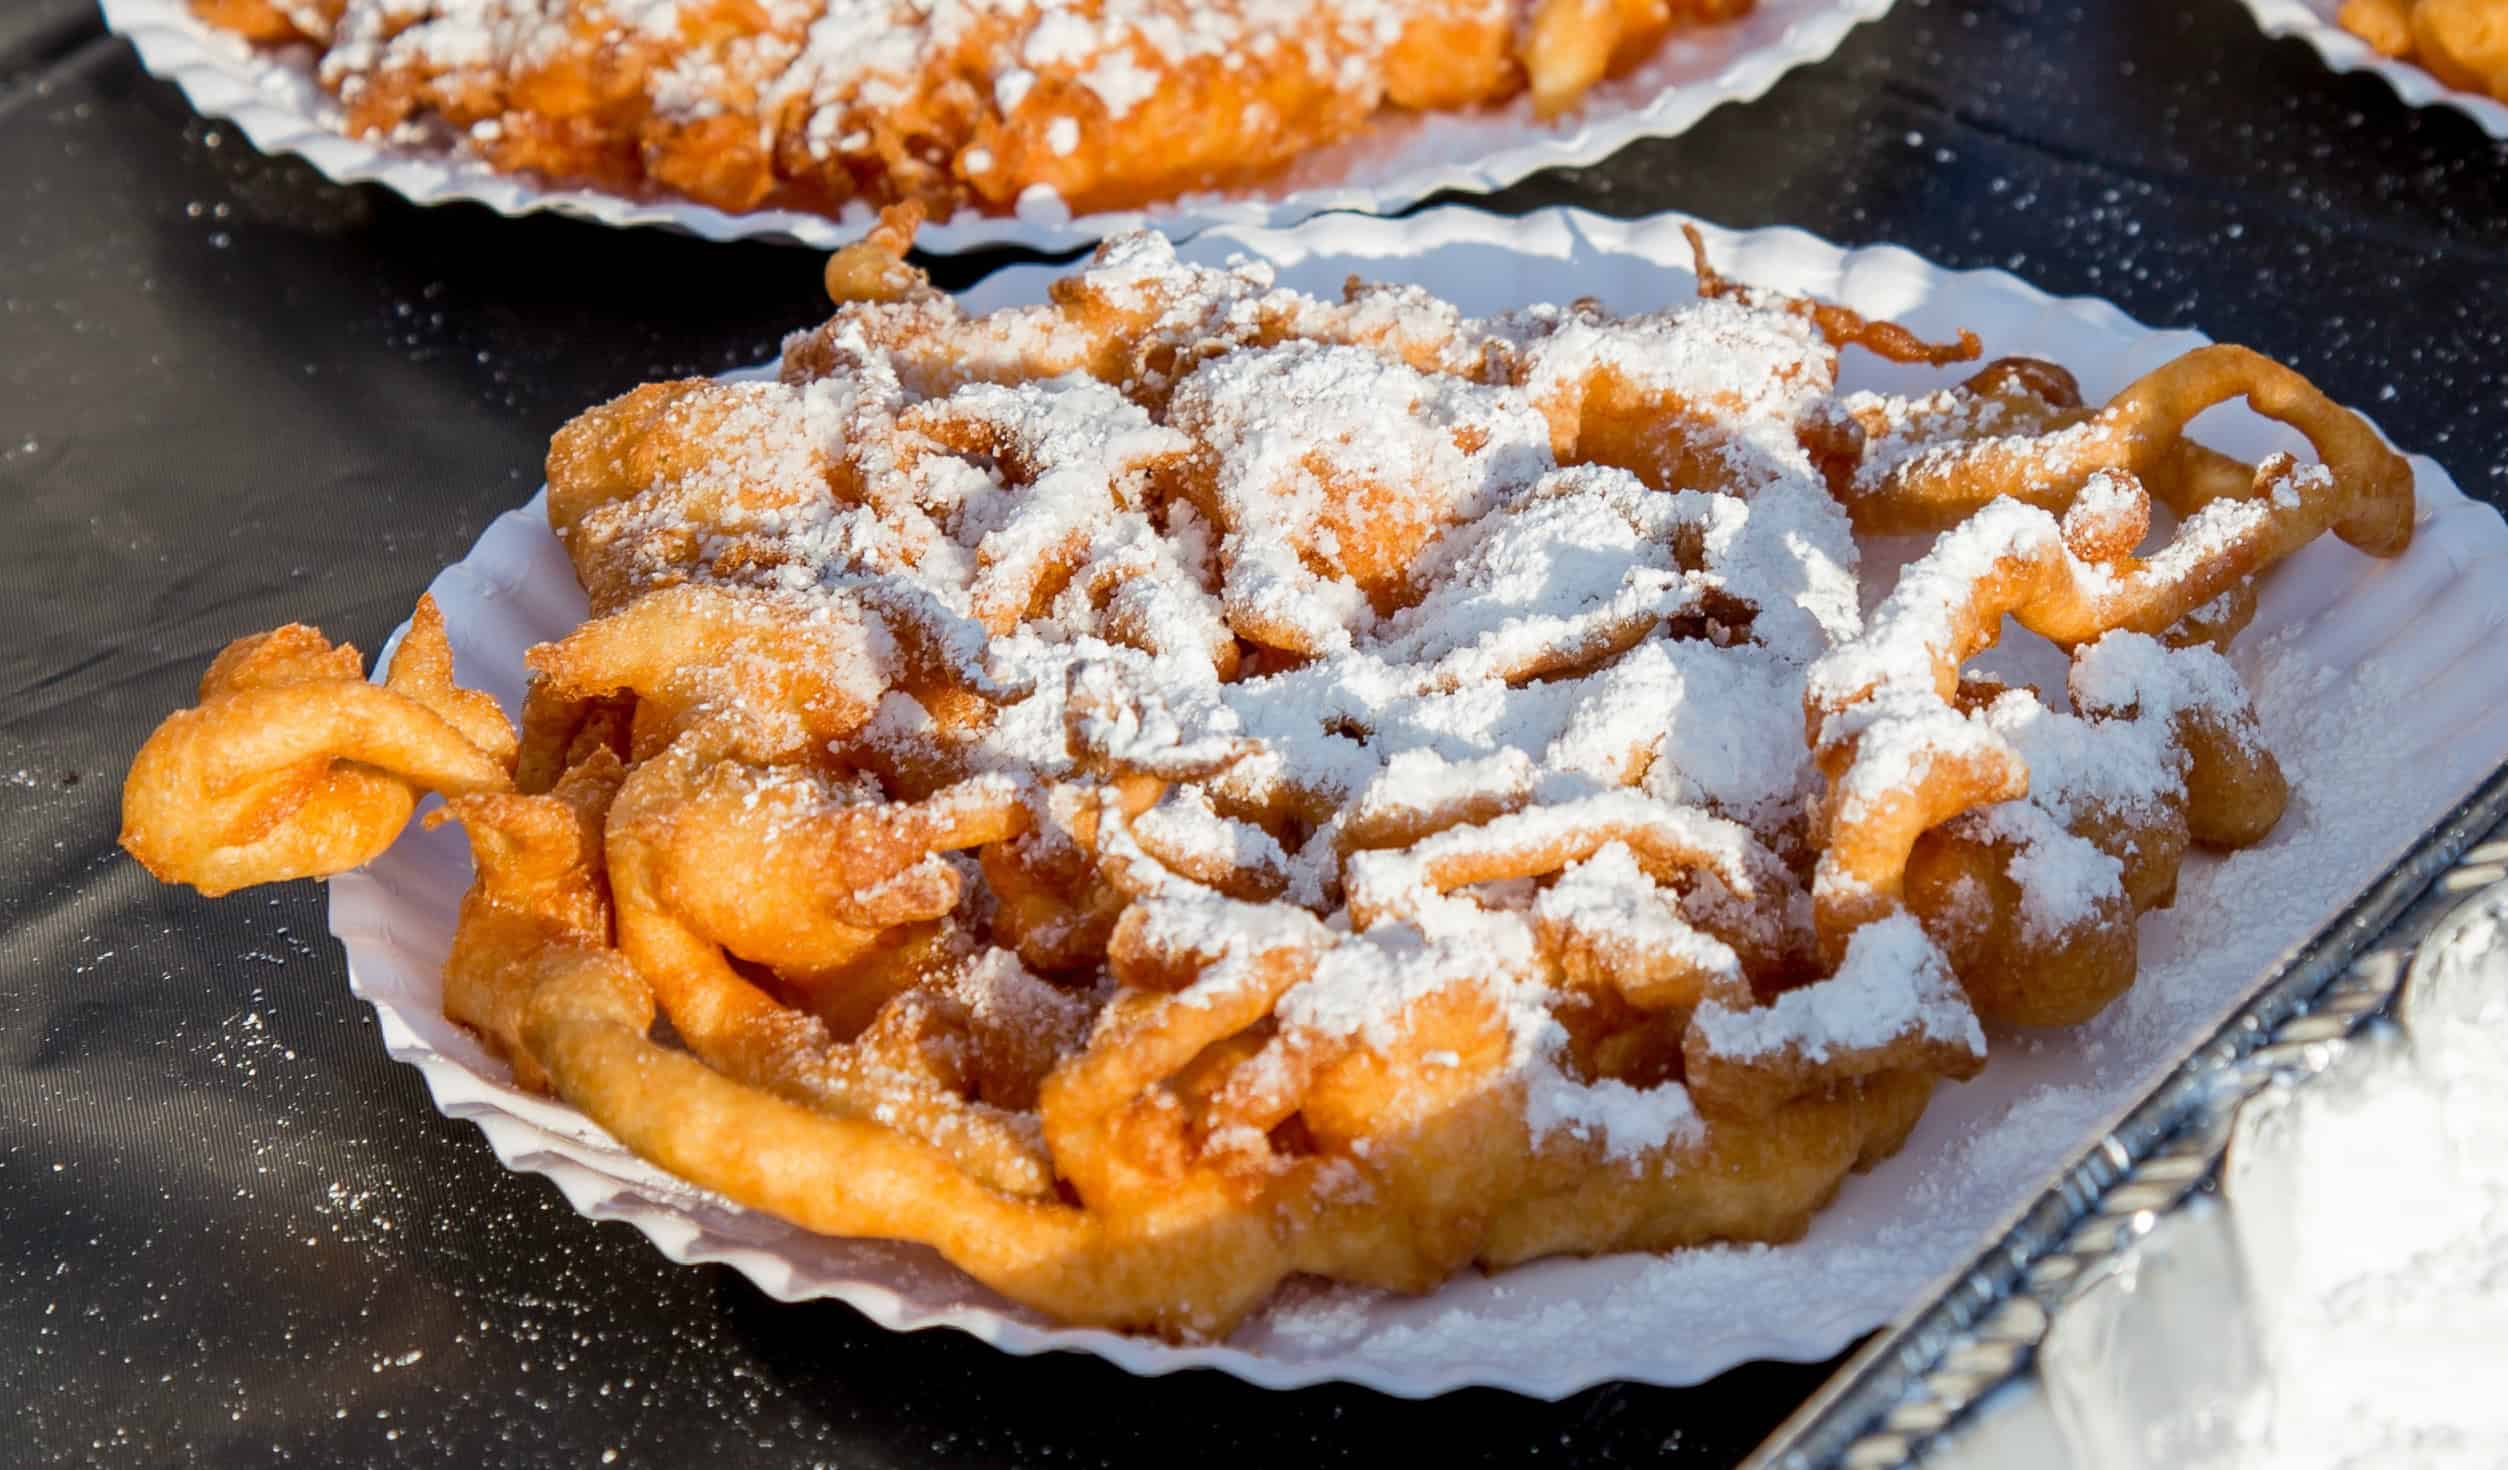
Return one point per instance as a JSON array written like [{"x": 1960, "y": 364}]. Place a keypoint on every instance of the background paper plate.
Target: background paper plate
[
  {"x": 274, "y": 99},
  {"x": 2312, "y": 21},
  {"x": 2377, "y": 681}
]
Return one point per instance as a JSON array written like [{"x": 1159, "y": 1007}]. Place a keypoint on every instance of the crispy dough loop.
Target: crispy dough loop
[
  {"x": 828, "y": 1169},
  {"x": 1063, "y": 882},
  {"x": 1898, "y": 757},
  {"x": 689, "y": 652},
  {"x": 798, "y": 677},
  {"x": 874, "y": 267},
  {"x": 1840, "y": 326},
  {"x": 678, "y": 906},
  {"x": 2012, "y": 404},
  {"x": 1672, "y": 845},
  {"x": 1891, "y": 970},
  {"x": 1153, "y": 1027},
  {"x": 542, "y": 886},
  {"x": 2141, "y": 432},
  {"x": 2113, "y": 851},
  {"x": 1114, "y": 728},
  {"x": 559, "y": 733},
  {"x": 292, "y": 766},
  {"x": 1962, "y": 886},
  {"x": 2235, "y": 789},
  {"x": 793, "y": 867}
]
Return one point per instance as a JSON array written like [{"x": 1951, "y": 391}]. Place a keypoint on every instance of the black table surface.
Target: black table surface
[{"x": 232, "y": 1231}]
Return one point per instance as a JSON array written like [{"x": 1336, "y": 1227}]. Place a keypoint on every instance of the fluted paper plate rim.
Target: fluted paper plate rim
[{"x": 2312, "y": 21}]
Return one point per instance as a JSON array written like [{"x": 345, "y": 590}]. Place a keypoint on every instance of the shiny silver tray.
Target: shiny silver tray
[{"x": 1915, "y": 1390}]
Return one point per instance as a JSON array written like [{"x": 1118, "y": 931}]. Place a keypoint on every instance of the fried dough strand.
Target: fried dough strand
[{"x": 292, "y": 765}]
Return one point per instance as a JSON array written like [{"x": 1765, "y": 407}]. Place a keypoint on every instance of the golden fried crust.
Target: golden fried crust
[
  {"x": 542, "y": 885},
  {"x": 1961, "y": 886},
  {"x": 2385, "y": 24},
  {"x": 1760, "y": 1181},
  {"x": 293, "y": 766}
]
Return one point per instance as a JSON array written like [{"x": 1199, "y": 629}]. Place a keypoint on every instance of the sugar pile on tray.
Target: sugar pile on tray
[
  {"x": 2340, "y": 1300},
  {"x": 2371, "y": 1209}
]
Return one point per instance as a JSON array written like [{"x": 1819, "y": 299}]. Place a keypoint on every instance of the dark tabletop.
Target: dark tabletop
[{"x": 232, "y": 1231}]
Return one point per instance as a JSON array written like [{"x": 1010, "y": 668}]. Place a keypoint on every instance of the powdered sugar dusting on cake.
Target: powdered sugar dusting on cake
[{"x": 1892, "y": 983}]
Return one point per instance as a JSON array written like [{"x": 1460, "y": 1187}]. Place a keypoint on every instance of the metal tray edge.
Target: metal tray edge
[{"x": 1981, "y": 1328}]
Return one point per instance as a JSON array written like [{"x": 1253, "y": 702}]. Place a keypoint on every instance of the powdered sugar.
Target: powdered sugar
[
  {"x": 2133, "y": 673},
  {"x": 1185, "y": 822},
  {"x": 1629, "y": 1123},
  {"x": 1312, "y": 446},
  {"x": 2066, "y": 882},
  {"x": 1892, "y": 983},
  {"x": 1607, "y": 900}
]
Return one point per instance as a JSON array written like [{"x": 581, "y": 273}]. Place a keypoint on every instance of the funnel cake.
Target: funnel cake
[
  {"x": 2463, "y": 43},
  {"x": 1190, "y": 783},
  {"x": 814, "y": 104}
]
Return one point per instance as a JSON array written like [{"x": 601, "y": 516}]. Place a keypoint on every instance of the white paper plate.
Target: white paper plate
[
  {"x": 2312, "y": 21},
  {"x": 2418, "y": 654},
  {"x": 1397, "y": 163}
]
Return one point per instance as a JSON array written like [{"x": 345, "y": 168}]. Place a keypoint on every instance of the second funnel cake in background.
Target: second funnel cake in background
[{"x": 289, "y": 99}]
